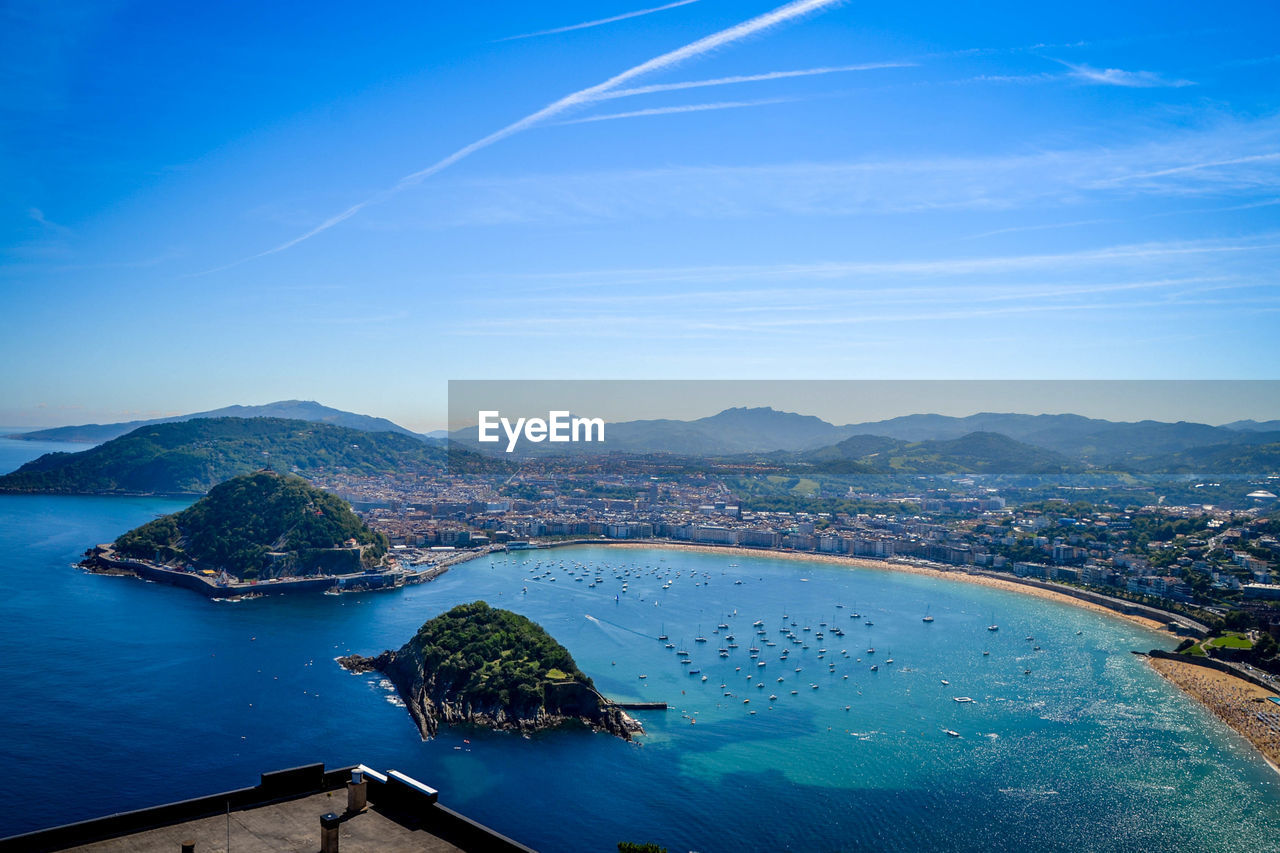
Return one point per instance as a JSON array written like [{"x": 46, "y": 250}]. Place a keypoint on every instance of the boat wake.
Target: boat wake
[{"x": 604, "y": 622}]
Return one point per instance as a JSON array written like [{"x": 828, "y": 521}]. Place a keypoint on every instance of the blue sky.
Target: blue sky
[{"x": 354, "y": 203}]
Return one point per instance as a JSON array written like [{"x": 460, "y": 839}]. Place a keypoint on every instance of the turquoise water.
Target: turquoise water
[{"x": 120, "y": 694}]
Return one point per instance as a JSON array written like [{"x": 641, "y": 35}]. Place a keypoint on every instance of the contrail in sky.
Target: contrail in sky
[
  {"x": 695, "y": 49},
  {"x": 683, "y": 108},
  {"x": 587, "y": 24},
  {"x": 746, "y": 78}
]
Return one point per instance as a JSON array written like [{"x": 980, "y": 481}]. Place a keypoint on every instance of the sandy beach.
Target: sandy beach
[
  {"x": 1236, "y": 702},
  {"x": 883, "y": 565}
]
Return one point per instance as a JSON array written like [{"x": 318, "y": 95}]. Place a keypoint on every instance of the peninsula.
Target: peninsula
[{"x": 484, "y": 666}]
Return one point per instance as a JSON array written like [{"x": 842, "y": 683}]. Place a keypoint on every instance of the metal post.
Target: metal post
[{"x": 329, "y": 832}]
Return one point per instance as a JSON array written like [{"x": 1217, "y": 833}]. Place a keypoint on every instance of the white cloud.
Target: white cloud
[
  {"x": 1128, "y": 79},
  {"x": 1176, "y": 258},
  {"x": 1237, "y": 162},
  {"x": 1154, "y": 280}
]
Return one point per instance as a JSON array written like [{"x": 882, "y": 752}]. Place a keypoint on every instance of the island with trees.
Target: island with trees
[
  {"x": 479, "y": 665},
  {"x": 258, "y": 532}
]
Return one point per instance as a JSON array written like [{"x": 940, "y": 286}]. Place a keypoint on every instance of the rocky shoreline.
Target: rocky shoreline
[{"x": 431, "y": 704}]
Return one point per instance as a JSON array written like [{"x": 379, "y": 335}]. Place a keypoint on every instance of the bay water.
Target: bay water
[{"x": 118, "y": 694}]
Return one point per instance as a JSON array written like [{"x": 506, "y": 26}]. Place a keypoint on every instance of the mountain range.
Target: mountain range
[
  {"x": 190, "y": 454},
  {"x": 1035, "y": 443},
  {"x": 298, "y": 410}
]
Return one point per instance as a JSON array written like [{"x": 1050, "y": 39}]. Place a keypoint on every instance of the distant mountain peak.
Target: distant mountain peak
[{"x": 298, "y": 410}]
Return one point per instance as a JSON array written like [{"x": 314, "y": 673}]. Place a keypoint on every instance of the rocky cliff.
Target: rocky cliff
[{"x": 482, "y": 666}]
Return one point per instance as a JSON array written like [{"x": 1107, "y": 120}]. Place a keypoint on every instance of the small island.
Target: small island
[
  {"x": 256, "y": 533},
  {"x": 484, "y": 666}
]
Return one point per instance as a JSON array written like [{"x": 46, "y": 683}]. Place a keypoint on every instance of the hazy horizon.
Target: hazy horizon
[{"x": 838, "y": 402}]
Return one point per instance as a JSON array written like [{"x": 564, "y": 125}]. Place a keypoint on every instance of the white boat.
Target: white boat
[
  {"x": 951, "y": 733},
  {"x": 962, "y": 699}
]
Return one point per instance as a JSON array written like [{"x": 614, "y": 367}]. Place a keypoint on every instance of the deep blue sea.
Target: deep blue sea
[{"x": 118, "y": 694}]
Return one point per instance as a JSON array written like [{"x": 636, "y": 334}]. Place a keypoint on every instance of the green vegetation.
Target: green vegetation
[
  {"x": 1237, "y": 458},
  {"x": 978, "y": 452},
  {"x": 633, "y": 847},
  {"x": 190, "y": 457},
  {"x": 489, "y": 656},
  {"x": 260, "y": 525},
  {"x": 1231, "y": 640},
  {"x": 759, "y": 495},
  {"x": 1236, "y": 645}
]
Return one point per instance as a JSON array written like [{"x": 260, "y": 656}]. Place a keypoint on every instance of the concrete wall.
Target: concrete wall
[{"x": 398, "y": 799}]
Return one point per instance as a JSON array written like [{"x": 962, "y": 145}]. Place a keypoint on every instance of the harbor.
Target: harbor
[{"x": 218, "y": 585}]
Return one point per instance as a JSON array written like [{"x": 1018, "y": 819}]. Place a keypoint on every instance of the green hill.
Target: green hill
[
  {"x": 295, "y": 410},
  {"x": 1236, "y": 459},
  {"x": 479, "y": 665},
  {"x": 484, "y": 654},
  {"x": 190, "y": 457},
  {"x": 260, "y": 525},
  {"x": 978, "y": 452}
]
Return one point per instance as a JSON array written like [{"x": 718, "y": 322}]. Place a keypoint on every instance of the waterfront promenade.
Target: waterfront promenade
[{"x": 104, "y": 559}]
